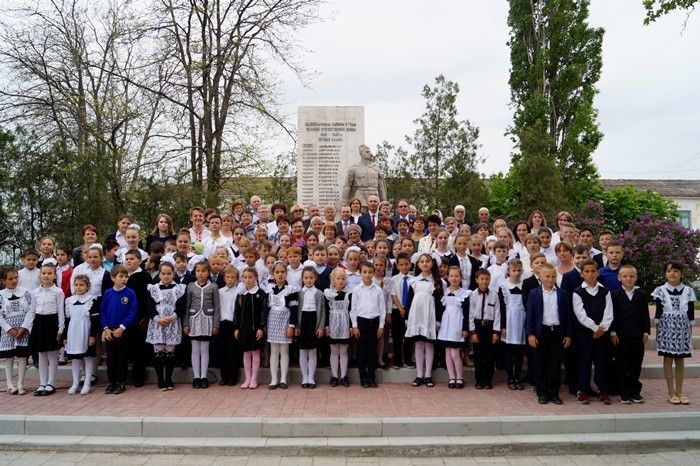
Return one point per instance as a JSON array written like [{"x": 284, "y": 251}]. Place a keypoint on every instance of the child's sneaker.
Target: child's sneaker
[
  {"x": 21, "y": 390},
  {"x": 625, "y": 400},
  {"x": 86, "y": 389},
  {"x": 73, "y": 390},
  {"x": 605, "y": 398},
  {"x": 637, "y": 398},
  {"x": 582, "y": 397}
]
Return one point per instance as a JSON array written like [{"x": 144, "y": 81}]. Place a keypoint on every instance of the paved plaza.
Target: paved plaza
[{"x": 690, "y": 457}]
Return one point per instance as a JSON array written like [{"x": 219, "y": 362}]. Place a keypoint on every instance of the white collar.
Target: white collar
[
  {"x": 18, "y": 291},
  {"x": 674, "y": 288},
  {"x": 589, "y": 287},
  {"x": 252, "y": 290}
]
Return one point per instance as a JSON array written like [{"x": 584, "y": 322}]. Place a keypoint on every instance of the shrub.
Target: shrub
[{"x": 649, "y": 243}]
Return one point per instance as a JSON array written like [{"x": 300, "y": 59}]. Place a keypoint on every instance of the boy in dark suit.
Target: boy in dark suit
[
  {"x": 629, "y": 333},
  {"x": 548, "y": 326}
]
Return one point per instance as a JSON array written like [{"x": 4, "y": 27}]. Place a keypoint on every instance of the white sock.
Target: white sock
[
  {"x": 75, "y": 370},
  {"x": 312, "y": 365},
  {"x": 274, "y": 362},
  {"x": 43, "y": 368},
  {"x": 284, "y": 361},
  {"x": 429, "y": 356},
  {"x": 21, "y": 371},
  {"x": 195, "y": 358},
  {"x": 90, "y": 366},
  {"x": 53, "y": 366},
  {"x": 304, "y": 365},
  {"x": 9, "y": 363},
  {"x": 419, "y": 352},
  {"x": 343, "y": 360},
  {"x": 335, "y": 360},
  {"x": 204, "y": 355}
]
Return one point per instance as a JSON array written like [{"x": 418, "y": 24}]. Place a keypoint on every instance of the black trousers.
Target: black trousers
[
  {"x": 118, "y": 358},
  {"x": 140, "y": 353},
  {"x": 367, "y": 347},
  {"x": 402, "y": 349},
  {"x": 570, "y": 364},
  {"x": 514, "y": 362},
  {"x": 594, "y": 351},
  {"x": 630, "y": 354},
  {"x": 548, "y": 360},
  {"x": 227, "y": 352},
  {"x": 484, "y": 352}
]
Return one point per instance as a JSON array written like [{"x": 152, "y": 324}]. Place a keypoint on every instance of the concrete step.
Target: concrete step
[
  {"x": 404, "y": 375},
  {"x": 483, "y": 436},
  {"x": 208, "y": 427}
]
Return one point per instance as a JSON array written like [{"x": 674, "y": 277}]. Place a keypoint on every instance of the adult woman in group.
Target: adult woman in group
[
  {"x": 417, "y": 231},
  {"x": 328, "y": 233},
  {"x": 89, "y": 235},
  {"x": 355, "y": 208},
  {"x": 520, "y": 232},
  {"x": 561, "y": 218},
  {"x": 162, "y": 231},
  {"x": 385, "y": 209},
  {"x": 565, "y": 254},
  {"x": 354, "y": 234},
  {"x": 536, "y": 220}
]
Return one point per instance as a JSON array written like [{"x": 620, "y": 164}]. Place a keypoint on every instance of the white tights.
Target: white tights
[
  {"x": 90, "y": 366},
  {"x": 200, "y": 359},
  {"x": 48, "y": 367},
  {"x": 307, "y": 361},
  {"x": 453, "y": 362},
  {"x": 21, "y": 370},
  {"x": 425, "y": 353},
  {"x": 339, "y": 357},
  {"x": 279, "y": 357}
]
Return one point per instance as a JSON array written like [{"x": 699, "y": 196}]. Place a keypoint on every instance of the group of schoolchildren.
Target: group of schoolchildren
[{"x": 507, "y": 294}]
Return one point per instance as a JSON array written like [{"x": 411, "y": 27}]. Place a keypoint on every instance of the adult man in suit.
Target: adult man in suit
[
  {"x": 345, "y": 221},
  {"x": 370, "y": 219},
  {"x": 402, "y": 212}
]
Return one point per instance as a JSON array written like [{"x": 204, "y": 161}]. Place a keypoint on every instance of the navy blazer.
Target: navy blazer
[
  {"x": 535, "y": 312},
  {"x": 571, "y": 280},
  {"x": 365, "y": 222}
]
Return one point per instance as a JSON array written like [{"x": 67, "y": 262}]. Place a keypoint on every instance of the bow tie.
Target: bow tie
[{"x": 13, "y": 298}]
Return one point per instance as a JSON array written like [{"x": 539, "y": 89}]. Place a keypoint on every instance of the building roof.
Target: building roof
[{"x": 665, "y": 188}]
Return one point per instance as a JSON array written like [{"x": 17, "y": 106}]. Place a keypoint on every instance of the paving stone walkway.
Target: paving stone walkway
[
  {"x": 690, "y": 457},
  {"x": 389, "y": 400}
]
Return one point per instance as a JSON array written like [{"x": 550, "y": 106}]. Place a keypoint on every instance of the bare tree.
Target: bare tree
[
  {"x": 63, "y": 60},
  {"x": 221, "y": 50}
]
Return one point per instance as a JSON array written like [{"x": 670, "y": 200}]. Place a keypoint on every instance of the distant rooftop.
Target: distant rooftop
[{"x": 666, "y": 188}]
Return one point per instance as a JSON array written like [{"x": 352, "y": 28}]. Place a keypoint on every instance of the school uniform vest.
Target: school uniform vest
[
  {"x": 593, "y": 305},
  {"x": 631, "y": 316}
]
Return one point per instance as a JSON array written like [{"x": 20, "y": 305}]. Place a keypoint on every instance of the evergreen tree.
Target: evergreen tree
[
  {"x": 556, "y": 59},
  {"x": 444, "y": 156}
]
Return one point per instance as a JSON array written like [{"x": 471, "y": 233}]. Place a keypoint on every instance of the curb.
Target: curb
[
  {"x": 487, "y": 445},
  {"x": 328, "y": 428}
]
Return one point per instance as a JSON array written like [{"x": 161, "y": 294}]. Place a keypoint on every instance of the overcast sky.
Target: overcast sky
[{"x": 379, "y": 54}]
